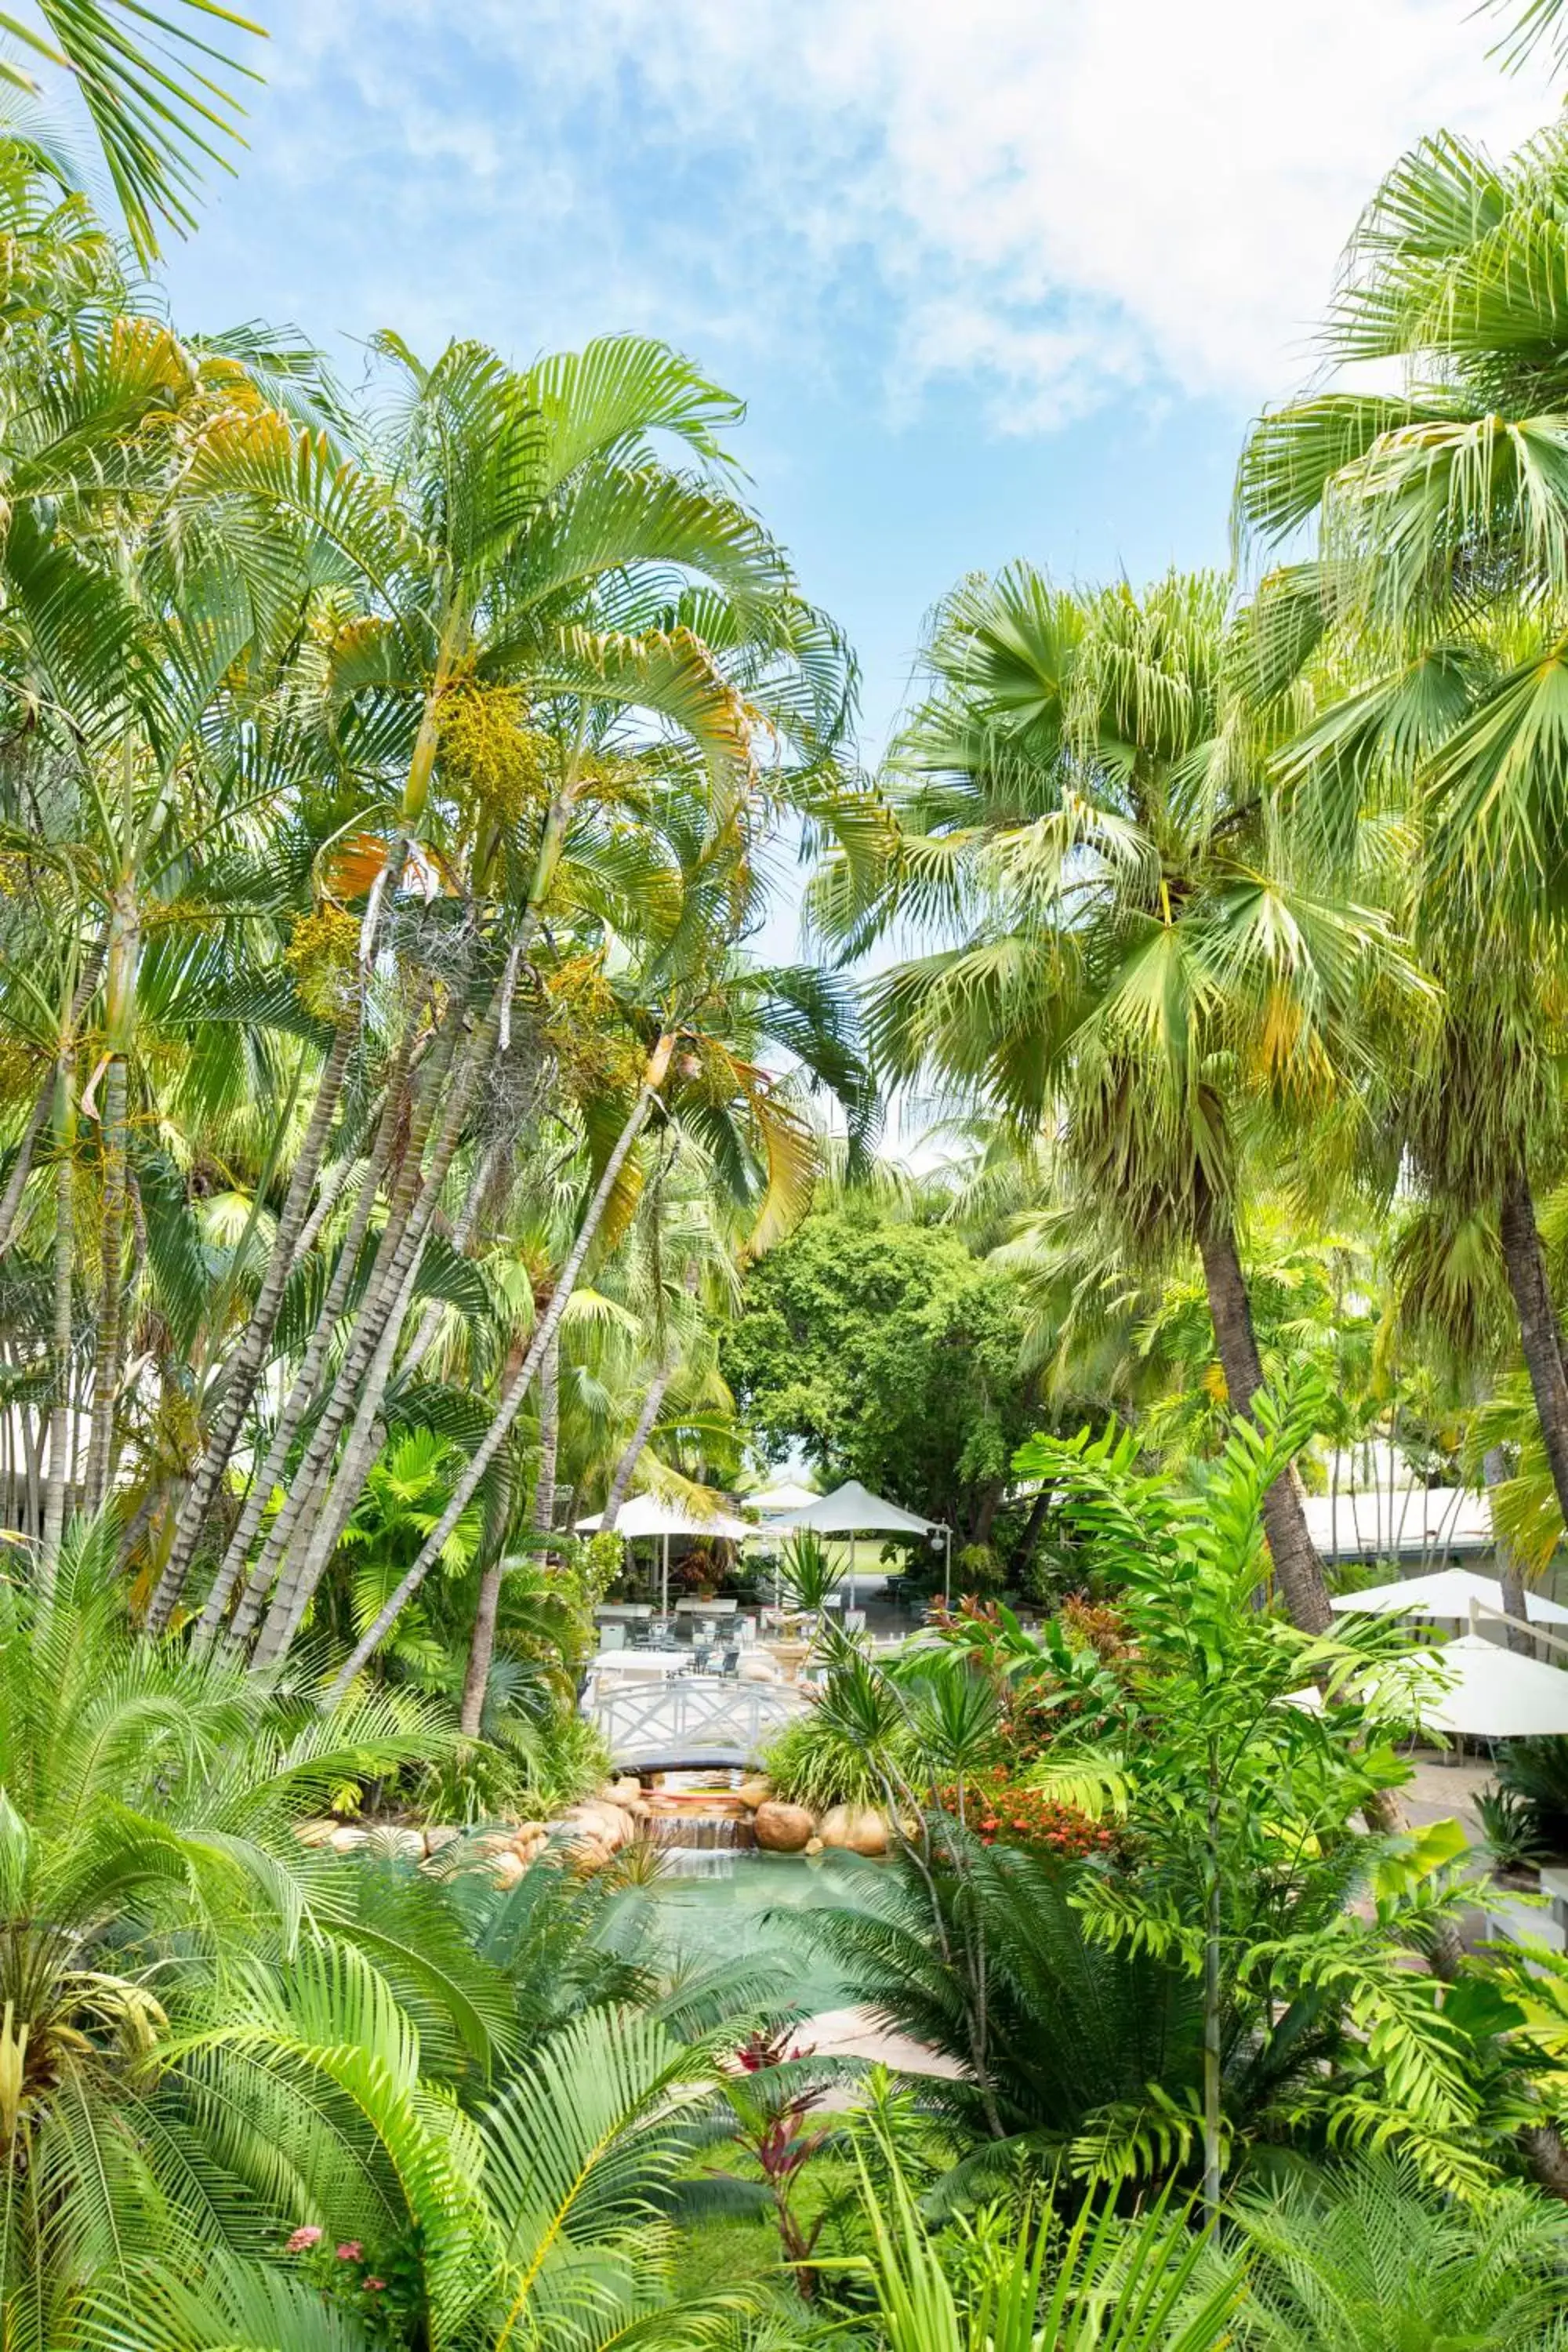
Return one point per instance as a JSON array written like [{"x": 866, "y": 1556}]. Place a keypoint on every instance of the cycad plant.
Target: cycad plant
[{"x": 1036, "y": 2282}]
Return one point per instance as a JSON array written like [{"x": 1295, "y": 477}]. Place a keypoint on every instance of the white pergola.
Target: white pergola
[
  {"x": 854, "y": 1511},
  {"x": 648, "y": 1514}
]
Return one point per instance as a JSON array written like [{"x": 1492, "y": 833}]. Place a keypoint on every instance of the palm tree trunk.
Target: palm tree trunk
[
  {"x": 516, "y": 1389},
  {"x": 1494, "y": 1470},
  {"x": 1297, "y": 1569},
  {"x": 303, "y": 1387},
  {"x": 250, "y": 1357},
  {"x": 106, "y": 1367},
  {"x": 1539, "y": 1334},
  {"x": 297, "y": 1582},
  {"x": 487, "y": 1605},
  {"x": 60, "y": 1446},
  {"x": 548, "y": 1435},
  {"x": 379, "y": 1297},
  {"x": 632, "y": 1454}
]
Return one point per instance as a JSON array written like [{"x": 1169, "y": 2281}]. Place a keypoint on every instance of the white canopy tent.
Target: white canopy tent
[
  {"x": 853, "y": 1510},
  {"x": 1444, "y": 1598},
  {"x": 647, "y": 1515},
  {"x": 768, "y": 1502}
]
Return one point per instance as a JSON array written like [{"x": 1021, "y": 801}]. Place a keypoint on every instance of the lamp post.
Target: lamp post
[{"x": 944, "y": 1536}]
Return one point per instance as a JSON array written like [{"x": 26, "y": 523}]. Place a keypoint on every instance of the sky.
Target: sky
[{"x": 1000, "y": 278}]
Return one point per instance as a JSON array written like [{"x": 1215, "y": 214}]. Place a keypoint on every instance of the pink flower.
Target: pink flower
[
  {"x": 374, "y": 2286},
  {"x": 349, "y": 2250},
  {"x": 303, "y": 2240}
]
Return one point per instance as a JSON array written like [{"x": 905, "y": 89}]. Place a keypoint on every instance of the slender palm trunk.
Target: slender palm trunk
[
  {"x": 106, "y": 1364},
  {"x": 61, "y": 1449},
  {"x": 516, "y": 1389},
  {"x": 1212, "y": 2050},
  {"x": 1297, "y": 1569},
  {"x": 380, "y": 1295},
  {"x": 635, "y": 1445},
  {"x": 299, "y": 1577},
  {"x": 307, "y": 1380},
  {"x": 1494, "y": 1470},
  {"x": 250, "y": 1357},
  {"x": 487, "y": 1605},
  {"x": 1539, "y": 1334}
]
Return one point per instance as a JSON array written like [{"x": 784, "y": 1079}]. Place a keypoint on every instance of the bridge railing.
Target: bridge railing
[{"x": 691, "y": 1715}]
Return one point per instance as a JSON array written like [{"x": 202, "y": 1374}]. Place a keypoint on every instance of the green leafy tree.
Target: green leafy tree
[{"x": 888, "y": 1352}]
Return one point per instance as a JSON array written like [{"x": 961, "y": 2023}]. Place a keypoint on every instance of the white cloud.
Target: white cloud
[{"x": 1057, "y": 199}]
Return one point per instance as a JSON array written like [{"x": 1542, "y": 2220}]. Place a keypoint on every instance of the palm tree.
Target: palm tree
[
  {"x": 1366, "y": 2257},
  {"x": 1144, "y": 966},
  {"x": 515, "y": 545},
  {"x": 1443, "y": 563},
  {"x": 154, "y": 105}
]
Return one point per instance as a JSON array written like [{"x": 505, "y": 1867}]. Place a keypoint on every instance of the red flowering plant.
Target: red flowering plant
[
  {"x": 383, "y": 2294},
  {"x": 999, "y": 1812}
]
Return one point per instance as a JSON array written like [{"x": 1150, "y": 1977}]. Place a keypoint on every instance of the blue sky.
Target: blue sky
[{"x": 997, "y": 279}]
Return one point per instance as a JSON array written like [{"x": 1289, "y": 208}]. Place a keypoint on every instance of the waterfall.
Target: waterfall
[
  {"x": 698, "y": 1830},
  {"x": 691, "y": 1832}
]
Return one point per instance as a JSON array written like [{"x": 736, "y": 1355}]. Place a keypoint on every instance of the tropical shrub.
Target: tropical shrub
[
  {"x": 1000, "y": 1810},
  {"x": 1535, "y": 1771}
]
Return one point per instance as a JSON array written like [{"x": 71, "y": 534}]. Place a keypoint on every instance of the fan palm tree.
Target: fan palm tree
[
  {"x": 1144, "y": 966},
  {"x": 1442, "y": 561}
]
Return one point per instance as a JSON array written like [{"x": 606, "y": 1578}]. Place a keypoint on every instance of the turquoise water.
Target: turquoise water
[{"x": 757, "y": 1906}]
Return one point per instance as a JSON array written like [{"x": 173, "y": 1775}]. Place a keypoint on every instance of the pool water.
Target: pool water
[{"x": 748, "y": 1905}]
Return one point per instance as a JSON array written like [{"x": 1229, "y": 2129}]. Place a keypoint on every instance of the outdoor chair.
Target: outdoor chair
[{"x": 728, "y": 1661}]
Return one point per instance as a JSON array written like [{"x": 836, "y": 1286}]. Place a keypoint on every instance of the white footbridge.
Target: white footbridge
[{"x": 689, "y": 1722}]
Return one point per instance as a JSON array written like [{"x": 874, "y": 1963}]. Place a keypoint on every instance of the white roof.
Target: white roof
[
  {"x": 646, "y": 1515},
  {"x": 1379, "y": 1524},
  {"x": 1445, "y": 1596},
  {"x": 853, "y": 1510},
  {"x": 787, "y": 1496},
  {"x": 1492, "y": 1692}
]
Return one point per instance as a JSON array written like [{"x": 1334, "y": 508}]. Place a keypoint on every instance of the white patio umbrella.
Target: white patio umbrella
[
  {"x": 1444, "y": 1597},
  {"x": 853, "y": 1510},
  {"x": 1492, "y": 1693},
  {"x": 646, "y": 1515}
]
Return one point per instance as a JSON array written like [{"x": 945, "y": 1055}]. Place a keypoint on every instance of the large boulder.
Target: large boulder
[
  {"x": 754, "y": 1793},
  {"x": 781, "y": 1829},
  {"x": 854, "y": 1829},
  {"x": 626, "y": 1791}
]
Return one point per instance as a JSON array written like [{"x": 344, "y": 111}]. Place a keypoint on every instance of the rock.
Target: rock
[
  {"x": 440, "y": 1834},
  {"x": 626, "y": 1791},
  {"x": 506, "y": 1868},
  {"x": 783, "y": 1829},
  {"x": 529, "y": 1833},
  {"x": 854, "y": 1829},
  {"x": 754, "y": 1793},
  {"x": 813, "y": 1846},
  {"x": 349, "y": 1839},
  {"x": 320, "y": 1832}
]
